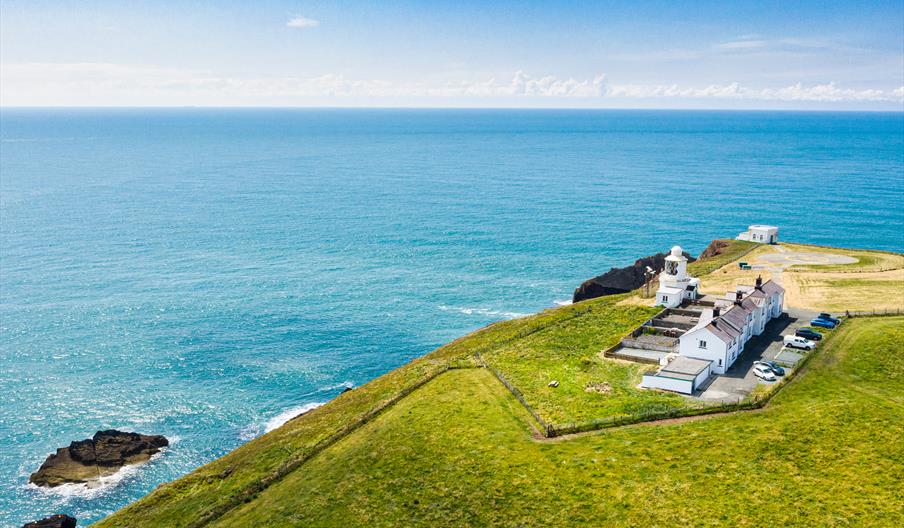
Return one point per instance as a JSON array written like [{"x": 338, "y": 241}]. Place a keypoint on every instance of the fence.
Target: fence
[
  {"x": 874, "y": 313},
  {"x": 755, "y": 401},
  {"x": 547, "y": 428},
  {"x": 250, "y": 491}
]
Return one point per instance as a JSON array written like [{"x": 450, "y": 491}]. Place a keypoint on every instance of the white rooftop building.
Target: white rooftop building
[
  {"x": 717, "y": 339},
  {"x": 675, "y": 285},
  {"x": 764, "y": 234}
]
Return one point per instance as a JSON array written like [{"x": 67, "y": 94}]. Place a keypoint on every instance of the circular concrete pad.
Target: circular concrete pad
[{"x": 793, "y": 258}]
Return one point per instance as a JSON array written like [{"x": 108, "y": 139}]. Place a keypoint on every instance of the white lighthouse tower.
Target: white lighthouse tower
[{"x": 674, "y": 283}]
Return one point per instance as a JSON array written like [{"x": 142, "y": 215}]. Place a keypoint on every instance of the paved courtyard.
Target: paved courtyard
[{"x": 739, "y": 380}]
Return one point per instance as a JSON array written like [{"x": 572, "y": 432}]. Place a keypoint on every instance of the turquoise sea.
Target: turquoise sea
[{"x": 204, "y": 274}]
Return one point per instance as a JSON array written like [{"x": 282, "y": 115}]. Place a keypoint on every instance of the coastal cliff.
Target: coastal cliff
[{"x": 622, "y": 280}]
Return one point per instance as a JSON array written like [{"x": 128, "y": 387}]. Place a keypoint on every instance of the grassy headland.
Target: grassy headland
[
  {"x": 426, "y": 445},
  {"x": 458, "y": 452}
]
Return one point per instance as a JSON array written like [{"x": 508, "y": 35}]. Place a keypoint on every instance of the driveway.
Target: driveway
[{"x": 739, "y": 380}]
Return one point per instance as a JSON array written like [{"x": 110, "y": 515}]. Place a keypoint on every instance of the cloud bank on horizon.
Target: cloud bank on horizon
[
  {"x": 95, "y": 83},
  {"x": 420, "y": 53}
]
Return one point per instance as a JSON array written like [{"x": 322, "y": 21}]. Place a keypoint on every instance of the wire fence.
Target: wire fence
[
  {"x": 755, "y": 400},
  {"x": 547, "y": 429},
  {"x": 874, "y": 313}
]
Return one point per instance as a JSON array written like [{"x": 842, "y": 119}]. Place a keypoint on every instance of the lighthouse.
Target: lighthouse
[{"x": 674, "y": 283}]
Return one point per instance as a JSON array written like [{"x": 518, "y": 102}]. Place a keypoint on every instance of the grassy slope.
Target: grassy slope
[
  {"x": 826, "y": 452},
  {"x": 228, "y": 481},
  {"x": 732, "y": 252},
  {"x": 570, "y": 354}
]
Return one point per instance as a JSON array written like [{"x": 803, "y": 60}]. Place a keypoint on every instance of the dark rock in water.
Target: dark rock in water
[
  {"x": 54, "y": 521},
  {"x": 102, "y": 455},
  {"x": 621, "y": 280}
]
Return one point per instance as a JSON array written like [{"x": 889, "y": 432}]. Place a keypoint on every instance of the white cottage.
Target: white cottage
[
  {"x": 674, "y": 283},
  {"x": 764, "y": 234},
  {"x": 721, "y": 333}
]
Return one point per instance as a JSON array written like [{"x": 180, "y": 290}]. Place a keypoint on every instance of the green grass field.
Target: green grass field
[
  {"x": 732, "y": 252},
  {"x": 570, "y": 354},
  {"x": 458, "y": 452}
]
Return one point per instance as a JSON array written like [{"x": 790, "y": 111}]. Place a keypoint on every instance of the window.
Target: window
[
  {"x": 720, "y": 362},
  {"x": 702, "y": 344},
  {"x": 671, "y": 267}
]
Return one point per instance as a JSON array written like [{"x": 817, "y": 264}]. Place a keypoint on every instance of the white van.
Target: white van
[{"x": 794, "y": 341}]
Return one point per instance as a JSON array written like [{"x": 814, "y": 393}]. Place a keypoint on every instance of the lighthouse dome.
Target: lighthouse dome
[{"x": 677, "y": 251}]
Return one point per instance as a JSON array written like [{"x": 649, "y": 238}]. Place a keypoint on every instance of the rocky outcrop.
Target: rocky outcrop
[
  {"x": 716, "y": 247},
  {"x": 621, "y": 280},
  {"x": 54, "y": 521},
  {"x": 104, "y": 454}
]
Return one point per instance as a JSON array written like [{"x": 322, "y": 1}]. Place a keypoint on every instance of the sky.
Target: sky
[{"x": 593, "y": 54}]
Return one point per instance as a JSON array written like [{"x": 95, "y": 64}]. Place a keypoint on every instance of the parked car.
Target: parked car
[
  {"x": 763, "y": 372},
  {"x": 799, "y": 342},
  {"x": 771, "y": 365},
  {"x": 828, "y": 317},
  {"x": 775, "y": 368},
  {"x": 808, "y": 333},
  {"x": 822, "y": 323}
]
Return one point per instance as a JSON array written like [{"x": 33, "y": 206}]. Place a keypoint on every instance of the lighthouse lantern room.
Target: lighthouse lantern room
[{"x": 674, "y": 283}]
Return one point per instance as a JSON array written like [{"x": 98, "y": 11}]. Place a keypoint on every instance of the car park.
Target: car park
[
  {"x": 808, "y": 333},
  {"x": 822, "y": 323},
  {"x": 763, "y": 372},
  {"x": 828, "y": 317},
  {"x": 794, "y": 341}
]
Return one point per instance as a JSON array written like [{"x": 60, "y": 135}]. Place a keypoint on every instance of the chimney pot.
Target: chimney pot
[
  {"x": 759, "y": 282},
  {"x": 739, "y": 296}
]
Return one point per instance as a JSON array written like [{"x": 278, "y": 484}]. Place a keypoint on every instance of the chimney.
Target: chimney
[
  {"x": 739, "y": 296},
  {"x": 759, "y": 282},
  {"x": 716, "y": 312}
]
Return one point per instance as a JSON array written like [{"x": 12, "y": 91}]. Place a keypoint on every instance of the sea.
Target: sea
[{"x": 206, "y": 274}]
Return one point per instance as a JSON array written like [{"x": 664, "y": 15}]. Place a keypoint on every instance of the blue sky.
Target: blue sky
[{"x": 807, "y": 55}]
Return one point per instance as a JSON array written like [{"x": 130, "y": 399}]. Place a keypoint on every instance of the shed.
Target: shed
[{"x": 683, "y": 374}]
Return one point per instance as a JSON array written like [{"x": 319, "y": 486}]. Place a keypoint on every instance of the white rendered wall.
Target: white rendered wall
[{"x": 670, "y": 384}]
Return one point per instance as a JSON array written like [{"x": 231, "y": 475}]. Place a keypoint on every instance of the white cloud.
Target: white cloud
[
  {"x": 123, "y": 84},
  {"x": 742, "y": 44},
  {"x": 302, "y": 22},
  {"x": 829, "y": 92}
]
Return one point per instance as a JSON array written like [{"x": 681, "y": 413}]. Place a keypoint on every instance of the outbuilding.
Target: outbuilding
[
  {"x": 763, "y": 234},
  {"x": 682, "y": 374}
]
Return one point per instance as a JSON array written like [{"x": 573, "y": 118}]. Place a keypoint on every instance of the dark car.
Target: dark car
[
  {"x": 779, "y": 371},
  {"x": 828, "y": 317},
  {"x": 770, "y": 366},
  {"x": 807, "y": 333},
  {"x": 822, "y": 323}
]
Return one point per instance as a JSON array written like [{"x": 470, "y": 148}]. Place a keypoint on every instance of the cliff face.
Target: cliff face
[{"x": 623, "y": 280}]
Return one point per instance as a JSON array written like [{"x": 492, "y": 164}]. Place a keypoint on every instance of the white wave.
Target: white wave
[
  {"x": 566, "y": 302},
  {"x": 288, "y": 414},
  {"x": 343, "y": 385},
  {"x": 95, "y": 487},
  {"x": 483, "y": 311}
]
